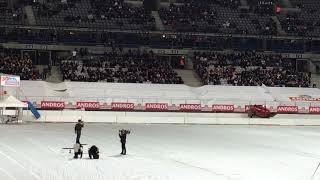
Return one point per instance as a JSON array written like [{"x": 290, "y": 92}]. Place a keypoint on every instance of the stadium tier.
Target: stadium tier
[
  {"x": 122, "y": 68},
  {"x": 249, "y": 69},
  {"x": 214, "y": 17},
  {"x": 12, "y": 63}
]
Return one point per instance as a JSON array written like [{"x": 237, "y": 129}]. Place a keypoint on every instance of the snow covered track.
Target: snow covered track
[
  {"x": 161, "y": 152},
  {"x": 172, "y": 118}
]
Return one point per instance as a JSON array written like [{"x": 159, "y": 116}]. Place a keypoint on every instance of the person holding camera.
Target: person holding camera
[
  {"x": 123, "y": 138},
  {"x": 78, "y": 150},
  {"x": 77, "y": 129}
]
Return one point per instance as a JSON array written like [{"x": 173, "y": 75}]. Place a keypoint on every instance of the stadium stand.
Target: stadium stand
[
  {"x": 110, "y": 14},
  {"x": 11, "y": 15},
  {"x": 131, "y": 67},
  {"x": 12, "y": 63},
  {"x": 304, "y": 22},
  {"x": 249, "y": 69},
  {"x": 191, "y": 25},
  {"x": 214, "y": 17},
  {"x": 111, "y": 39},
  {"x": 263, "y": 7}
]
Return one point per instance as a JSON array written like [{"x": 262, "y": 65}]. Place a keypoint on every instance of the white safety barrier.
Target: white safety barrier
[
  {"x": 208, "y": 95},
  {"x": 172, "y": 118}
]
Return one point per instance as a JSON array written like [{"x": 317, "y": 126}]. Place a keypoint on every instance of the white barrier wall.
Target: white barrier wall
[
  {"x": 72, "y": 92},
  {"x": 121, "y": 92},
  {"x": 172, "y": 118}
]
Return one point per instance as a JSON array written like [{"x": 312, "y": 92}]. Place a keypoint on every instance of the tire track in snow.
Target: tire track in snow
[
  {"x": 41, "y": 146},
  {"x": 20, "y": 165},
  {"x": 168, "y": 159},
  {"x": 204, "y": 169},
  {"x": 7, "y": 174},
  {"x": 47, "y": 174}
]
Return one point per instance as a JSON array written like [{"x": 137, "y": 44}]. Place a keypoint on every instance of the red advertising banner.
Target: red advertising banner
[
  {"x": 52, "y": 105},
  {"x": 287, "y": 109},
  {"x": 156, "y": 106},
  {"x": 88, "y": 105},
  {"x": 190, "y": 107},
  {"x": 122, "y": 106},
  {"x": 222, "y": 108},
  {"x": 314, "y": 110}
]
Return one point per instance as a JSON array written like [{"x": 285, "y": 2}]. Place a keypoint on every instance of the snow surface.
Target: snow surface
[{"x": 161, "y": 152}]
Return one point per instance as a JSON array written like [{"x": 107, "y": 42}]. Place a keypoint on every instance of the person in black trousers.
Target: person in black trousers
[
  {"x": 77, "y": 129},
  {"x": 78, "y": 150},
  {"x": 123, "y": 138},
  {"x": 93, "y": 152}
]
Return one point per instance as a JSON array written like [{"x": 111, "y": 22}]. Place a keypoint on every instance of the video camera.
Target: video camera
[{"x": 124, "y": 131}]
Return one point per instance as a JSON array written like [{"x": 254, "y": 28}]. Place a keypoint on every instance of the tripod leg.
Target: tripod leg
[{"x": 315, "y": 171}]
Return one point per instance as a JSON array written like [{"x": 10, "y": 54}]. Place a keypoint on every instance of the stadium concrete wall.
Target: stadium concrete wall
[{"x": 171, "y": 118}]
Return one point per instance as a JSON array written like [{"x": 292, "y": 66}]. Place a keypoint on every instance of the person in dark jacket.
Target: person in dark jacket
[
  {"x": 93, "y": 152},
  {"x": 123, "y": 138},
  {"x": 77, "y": 129}
]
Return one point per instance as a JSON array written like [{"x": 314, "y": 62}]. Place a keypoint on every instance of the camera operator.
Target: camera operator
[
  {"x": 78, "y": 150},
  {"x": 93, "y": 152},
  {"x": 77, "y": 129},
  {"x": 123, "y": 137}
]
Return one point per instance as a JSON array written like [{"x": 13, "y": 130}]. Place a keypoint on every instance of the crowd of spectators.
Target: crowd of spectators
[
  {"x": 18, "y": 65},
  {"x": 131, "y": 67},
  {"x": 249, "y": 69}
]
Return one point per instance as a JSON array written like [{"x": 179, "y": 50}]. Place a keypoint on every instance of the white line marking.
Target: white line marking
[
  {"x": 20, "y": 165},
  {"x": 6, "y": 173}
]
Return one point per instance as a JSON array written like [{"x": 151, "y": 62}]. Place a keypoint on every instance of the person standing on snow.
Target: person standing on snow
[
  {"x": 77, "y": 129},
  {"x": 78, "y": 150},
  {"x": 123, "y": 138}
]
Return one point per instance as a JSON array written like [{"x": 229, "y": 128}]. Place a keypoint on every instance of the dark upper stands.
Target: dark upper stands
[
  {"x": 305, "y": 23},
  {"x": 249, "y": 69},
  {"x": 107, "y": 14},
  {"x": 11, "y": 16},
  {"x": 214, "y": 16},
  {"x": 263, "y": 7}
]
